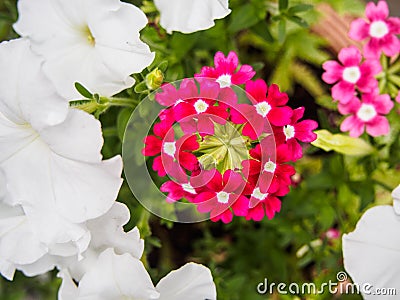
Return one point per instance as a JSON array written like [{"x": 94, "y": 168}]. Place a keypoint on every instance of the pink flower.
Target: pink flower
[
  {"x": 296, "y": 131},
  {"x": 266, "y": 109},
  {"x": 381, "y": 31},
  {"x": 398, "y": 97},
  {"x": 272, "y": 176},
  {"x": 183, "y": 187},
  {"x": 223, "y": 197},
  {"x": 268, "y": 206},
  {"x": 199, "y": 111},
  {"x": 225, "y": 70},
  {"x": 368, "y": 113},
  {"x": 173, "y": 153},
  {"x": 351, "y": 74}
]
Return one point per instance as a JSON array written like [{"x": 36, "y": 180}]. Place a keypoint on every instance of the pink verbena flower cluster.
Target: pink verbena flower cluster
[
  {"x": 355, "y": 81},
  {"x": 224, "y": 155}
]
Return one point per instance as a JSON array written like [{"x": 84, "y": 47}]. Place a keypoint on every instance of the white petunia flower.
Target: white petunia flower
[
  {"x": 117, "y": 277},
  {"x": 95, "y": 43},
  {"x": 50, "y": 154},
  {"x": 188, "y": 16},
  {"x": 372, "y": 252},
  {"x": 107, "y": 232},
  {"x": 76, "y": 254},
  {"x": 51, "y": 161}
]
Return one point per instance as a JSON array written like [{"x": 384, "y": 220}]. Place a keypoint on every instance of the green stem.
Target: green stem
[{"x": 124, "y": 102}]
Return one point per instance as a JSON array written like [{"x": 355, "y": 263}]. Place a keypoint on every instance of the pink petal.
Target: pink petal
[
  {"x": 168, "y": 96},
  {"x": 226, "y": 65},
  {"x": 280, "y": 116},
  {"x": 350, "y": 56},
  {"x": 227, "y": 96},
  {"x": 359, "y": 30},
  {"x": 158, "y": 166},
  {"x": 233, "y": 182},
  {"x": 333, "y": 71},
  {"x": 272, "y": 205},
  {"x": 378, "y": 126},
  {"x": 383, "y": 103},
  {"x": 377, "y": 12},
  {"x": 257, "y": 90},
  {"x": 153, "y": 146},
  {"x": 343, "y": 91},
  {"x": 207, "y": 72},
  {"x": 226, "y": 217},
  {"x": 372, "y": 49},
  {"x": 303, "y": 131},
  {"x": 276, "y": 97},
  {"x": 188, "y": 161},
  {"x": 241, "y": 206},
  {"x": 295, "y": 149},
  {"x": 398, "y": 97},
  {"x": 251, "y": 132},
  {"x": 352, "y": 124},
  {"x": 390, "y": 45},
  {"x": 298, "y": 113},
  {"x": 350, "y": 107},
  {"x": 209, "y": 89},
  {"x": 256, "y": 213},
  {"x": 244, "y": 74},
  {"x": 187, "y": 143}
]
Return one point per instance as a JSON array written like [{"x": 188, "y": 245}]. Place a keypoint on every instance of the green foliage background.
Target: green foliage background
[{"x": 333, "y": 190}]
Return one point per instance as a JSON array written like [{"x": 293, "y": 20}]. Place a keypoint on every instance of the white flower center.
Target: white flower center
[
  {"x": 270, "y": 166},
  {"x": 263, "y": 108},
  {"x": 200, "y": 106},
  {"x": 258, "y": 195},
  {"x": 351, "y": 74},
  {"x": 366, "y": 112},
  {"x": 289, "y": 132},
  {"x": 224, "y": 80},
  {"x": 223, "y": 197},
  {"x": 169, "y": 148},
  {"x": 187, "y": 187},
  {"x": 378, "y": 29}
]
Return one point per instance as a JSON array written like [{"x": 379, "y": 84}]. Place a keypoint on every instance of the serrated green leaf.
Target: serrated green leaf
[{"x": 83, "y": 91}]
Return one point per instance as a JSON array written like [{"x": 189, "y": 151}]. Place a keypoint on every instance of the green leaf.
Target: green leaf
[
  {"x": 299, "y": 21},
  {"x": 342, "y": 144},
  {"x": 83, "y": 91},
  {"x": 299, "y": 8},
  {"x": 262, "y": 30},
  {"x": 283, "y": 4},
  {"x": 244, "y": 17},
  {"x": 163, "y": 66},
  {"x": 141, "y": 87},
  {"x": 281, "y": 30}
]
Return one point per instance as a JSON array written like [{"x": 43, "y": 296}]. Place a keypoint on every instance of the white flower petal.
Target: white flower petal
[
  {"x": 190, "y": 282},
  {"x": 78, "y": 137},
  {"x": 27, "y": 96},
  {"x": 3, "y": 186},
  {"x": 115, "y": 277},
  {"x": 68, "y": 290},
  {"x": 91, "y": 42},
  {"x": 190, "y": 16},
  {"x": 372, "y": 252},
  {"x": 107, "y": 231}
]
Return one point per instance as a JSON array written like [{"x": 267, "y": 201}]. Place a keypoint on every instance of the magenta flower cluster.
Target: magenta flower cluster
[
  {"x": 354, "y": 76},
  {"x": 227, "y": 156}
]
